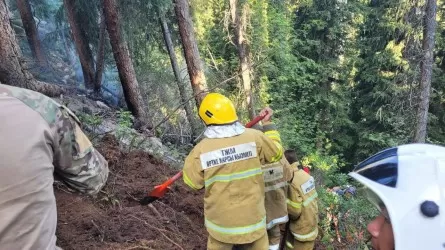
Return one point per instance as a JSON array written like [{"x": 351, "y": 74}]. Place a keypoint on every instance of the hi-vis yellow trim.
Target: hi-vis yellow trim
[
  {"x": 236, "y": 230},
  {"x": 234, "y": 176},
  {"x": 275, "y": 186},
  {"x": 277, "y": 221},
  {"x": 306, "y": 236},
  {"x": 280, "y": 152},
  {"x": 310, "y": 199},
  {"x": 294, "y": 204},
  {"x": 274, "y": 135},
  {"x": 305, "y": 203},
  {"x": 188, "y": 181},
  {"x": 289, "y": 245}
]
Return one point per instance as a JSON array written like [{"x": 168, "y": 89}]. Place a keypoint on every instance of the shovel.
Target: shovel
[{"x": 160, "y": 190}]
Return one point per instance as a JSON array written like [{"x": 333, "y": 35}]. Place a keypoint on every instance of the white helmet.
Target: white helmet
[{"x": 410, "y": 181}]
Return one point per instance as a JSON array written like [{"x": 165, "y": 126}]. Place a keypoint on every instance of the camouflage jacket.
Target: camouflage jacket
[
  {"x": 37, "y": 138},
  {"x": 75, "y": 159}
]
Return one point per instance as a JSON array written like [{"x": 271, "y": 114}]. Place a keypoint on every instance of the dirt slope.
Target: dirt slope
[{"x": 115, "y": 220}]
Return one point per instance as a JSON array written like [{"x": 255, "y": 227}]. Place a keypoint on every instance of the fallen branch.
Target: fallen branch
[
  {"x": 131, "y": 196},
  {"x": 167, "y": 117},
  {"x": 154, "y": 210},
  {"x": 157, "y": 229},
  {"x": 192, "y": 224},
  {"x": 139, "y": 247},
  {"x": 102, "y": 234},
  {"x": 100, "y": 134},
  {"x": 176, "y": 135},
  {"x": 201, "y": 92}
]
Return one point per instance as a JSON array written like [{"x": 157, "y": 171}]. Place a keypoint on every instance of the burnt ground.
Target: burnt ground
[{"x": 115, "y": 219}]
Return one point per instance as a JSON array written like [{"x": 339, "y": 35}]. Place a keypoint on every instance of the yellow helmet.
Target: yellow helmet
[{"x": 217, "y": 109}]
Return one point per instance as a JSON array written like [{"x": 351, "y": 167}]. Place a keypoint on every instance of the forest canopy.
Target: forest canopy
[{"x": 346, "y": 78}]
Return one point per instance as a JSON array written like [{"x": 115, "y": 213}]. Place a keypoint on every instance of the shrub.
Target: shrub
[{"x": 343, "y": 218}]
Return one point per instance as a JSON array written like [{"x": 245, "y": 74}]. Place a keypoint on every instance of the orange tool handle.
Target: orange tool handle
[{"x": 172, "y": 179}]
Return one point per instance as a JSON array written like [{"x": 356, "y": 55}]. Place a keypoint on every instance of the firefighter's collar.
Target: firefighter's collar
[{"x": 224, "y": 131}]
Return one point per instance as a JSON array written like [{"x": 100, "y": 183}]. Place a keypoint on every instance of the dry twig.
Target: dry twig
[
  {"x": 139, "y": 247},
  {"x": 157, "y": 229},
  {"x": 154, "y": 210},
  {"x": 102, "y": 234}
]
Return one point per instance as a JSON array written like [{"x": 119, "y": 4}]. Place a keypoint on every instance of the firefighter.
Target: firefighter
[
  {"x": 276, "y": 177},
  {"x": 302, "y": 207},
  {"x": 407, "y": 184},
  {"x": 227, "y": 163}
]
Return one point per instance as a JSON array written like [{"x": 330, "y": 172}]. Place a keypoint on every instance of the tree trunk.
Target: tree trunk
[
  {"x": 124, "y": 65},
  {"x": 12, "y": 70},
  {"x": 429, "y": 30},
  {"x": 100, "y": 55},
  {"x": 81, "y": 42},
  {"x": 239, "y": 13},
  {"x": 31, "y": 32},
  {"x": 67, "y": 49},
  {"x": 191, "y": 52},
  {"x": 175, "y": 67},
  {"x": 324, "y": 121}
]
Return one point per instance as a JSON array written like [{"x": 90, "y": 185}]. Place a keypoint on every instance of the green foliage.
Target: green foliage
[
  {"x": 92, "y": 121},
  {"x": 305, "y": 87},
  {"x": 324, "y": 162},
  {"x": 342, "y": 76},
  {"x": 344, "y": 219},
  {"x": 124, "y": 123},
  {"x": 124, "y": 119},
  {"x": 111, "y": 199},
  {"x": 125, "y": 134}
]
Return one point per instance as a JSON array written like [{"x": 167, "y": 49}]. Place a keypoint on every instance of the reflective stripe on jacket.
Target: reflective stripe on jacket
[
  {"x": 276, "y": 176},
  {"x": 302, "y": 206},
  {"x": 230, "y": 170},
  {"x": 270, "y": 130}
]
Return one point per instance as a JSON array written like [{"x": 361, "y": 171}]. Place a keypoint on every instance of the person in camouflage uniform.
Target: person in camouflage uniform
[{"x": 37, "y": 138}]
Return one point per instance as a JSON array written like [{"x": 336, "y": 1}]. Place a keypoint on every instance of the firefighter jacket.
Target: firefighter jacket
[
  {"x": 230, "y": 170},
  {"x": 276, "y": 176},
  {"x": 302, "y": 206}
]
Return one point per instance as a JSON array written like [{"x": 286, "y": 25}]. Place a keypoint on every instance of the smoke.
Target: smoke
[
  {"x": 57, "y": 43},
  {"x": 111, "y": 86}
]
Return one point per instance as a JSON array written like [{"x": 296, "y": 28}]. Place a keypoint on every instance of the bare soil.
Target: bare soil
[{"x": 115, "y": 219}]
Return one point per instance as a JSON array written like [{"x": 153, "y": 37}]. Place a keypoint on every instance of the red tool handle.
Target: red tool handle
[{"x": 255, "y": 121}]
